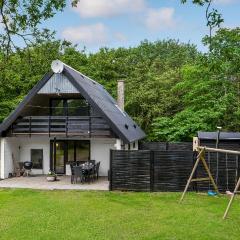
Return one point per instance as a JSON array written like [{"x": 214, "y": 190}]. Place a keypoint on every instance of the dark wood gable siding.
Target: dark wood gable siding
[{"x": 58, "y": 83}]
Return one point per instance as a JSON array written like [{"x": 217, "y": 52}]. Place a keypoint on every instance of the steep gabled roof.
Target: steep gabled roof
[{"x": 97, "y": 96}]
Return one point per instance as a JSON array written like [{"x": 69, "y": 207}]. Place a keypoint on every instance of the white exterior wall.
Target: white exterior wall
[
  {"x": 1, "y": 157},
  {"x": 100, "y": 151},
  {"x": 35, "y": 142},
  {"x": 134, "y": 146},
  {"x": 120, "y": 146},
  {"x": 20, "y": 149},
  {"x": 9, "y": 151}
]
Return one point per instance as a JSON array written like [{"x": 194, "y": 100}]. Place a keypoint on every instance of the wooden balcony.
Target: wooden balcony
[{"x": 86, "y": 126}]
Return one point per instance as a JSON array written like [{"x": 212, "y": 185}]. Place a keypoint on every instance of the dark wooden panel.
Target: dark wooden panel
[
  {"x": 171, "y": 170},
  {"x": 162, "y": 146},
  {"x": 130, "y": 170}
]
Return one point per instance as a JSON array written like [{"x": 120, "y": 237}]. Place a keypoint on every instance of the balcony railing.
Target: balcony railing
[{"x": 89, "y": 126}]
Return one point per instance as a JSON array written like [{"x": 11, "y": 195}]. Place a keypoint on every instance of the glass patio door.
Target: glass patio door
[
  {"x": 63, "y": 151},
  {"x": 59, "y": 157}
]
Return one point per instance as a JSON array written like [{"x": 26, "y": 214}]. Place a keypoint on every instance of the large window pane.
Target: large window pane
[
  {"x": 70, "y": 107},
  {"x": 37, "y": 158},
  {"x": 77, "y": 107},
  {"x": 60, "y": 157},
  {"x": 70, "y": 151},
  {"x": 57, "y": 107},
  {"x": 82, "y": 150}
]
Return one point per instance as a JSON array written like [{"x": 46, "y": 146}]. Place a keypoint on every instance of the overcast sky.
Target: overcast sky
[{"x": 114, "y": 23}]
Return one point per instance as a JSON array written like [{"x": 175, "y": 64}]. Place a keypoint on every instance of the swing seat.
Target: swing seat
[{"x": 211, "y": 193}]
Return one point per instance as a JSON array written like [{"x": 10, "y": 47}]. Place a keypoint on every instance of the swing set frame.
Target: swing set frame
[{"x": 201, "y": 158}]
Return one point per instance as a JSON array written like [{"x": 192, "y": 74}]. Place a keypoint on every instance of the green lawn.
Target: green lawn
[{"x": 29, "y": 214}]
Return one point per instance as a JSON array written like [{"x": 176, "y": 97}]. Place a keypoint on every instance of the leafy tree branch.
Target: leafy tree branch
[
  {"x": 21, "y": 19},
  {"x": 213, "y": 17}
]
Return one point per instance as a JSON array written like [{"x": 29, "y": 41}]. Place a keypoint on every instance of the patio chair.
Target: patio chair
[
  {"x": 72, "y": 164},
  {"x": 19, "y": 169},
  {"x": 92, "y": 173},
  {"x": 97, "y": 170},
  {"x": 78, "y": 163},
  {"x": 92, "y": 161},
  {"x": 77, "y": 173}
]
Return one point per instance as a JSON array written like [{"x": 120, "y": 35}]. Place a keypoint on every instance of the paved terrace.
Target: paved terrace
[{"x": 63, "y": 182}]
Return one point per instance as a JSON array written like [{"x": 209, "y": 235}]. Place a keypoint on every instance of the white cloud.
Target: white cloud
[
  {"x": 160, "y": 19},
  {"x": 108, "y": 8},
  {"x": 87, "y": 34},
  {"x": 120, "y": 37}
]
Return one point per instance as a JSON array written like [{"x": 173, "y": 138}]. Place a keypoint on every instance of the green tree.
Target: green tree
[
  {"x": 209, "y": 92},
  {"x": 212, "y": 16},
  {"x": 21, "y": 22}
]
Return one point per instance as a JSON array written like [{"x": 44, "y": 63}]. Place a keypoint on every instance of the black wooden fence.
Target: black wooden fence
[
  {"x": 130, "y": 170},
  {"x": 168, "y": 146},
  {"x": 146, "y": 170},
  {"x": 168, "y": 170}
]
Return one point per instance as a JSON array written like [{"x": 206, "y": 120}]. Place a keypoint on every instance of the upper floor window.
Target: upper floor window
[
  {"x": 58, "y": 107},
  {"x": 77, "y": 107},
  {"x": 69, "y": 107}
]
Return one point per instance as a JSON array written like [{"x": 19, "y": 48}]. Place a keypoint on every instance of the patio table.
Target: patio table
[
  {"x": 87, "y": 169},
  {"x": 84, "y": 171}
]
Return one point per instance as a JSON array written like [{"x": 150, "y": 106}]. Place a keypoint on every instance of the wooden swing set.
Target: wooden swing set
[{"x": 201, "y": 158}]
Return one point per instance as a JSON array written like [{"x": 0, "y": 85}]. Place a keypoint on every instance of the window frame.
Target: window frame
[
  {"x": 31, "y": 154},
  {"x": 65, "y": 105}
]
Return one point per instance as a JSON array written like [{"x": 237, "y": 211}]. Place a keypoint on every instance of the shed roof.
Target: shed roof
[
  {"x": 120, "y": 122},
  {"x": 223, "y": 135}
]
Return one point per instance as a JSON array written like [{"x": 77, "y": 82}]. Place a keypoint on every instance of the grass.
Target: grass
[{"x": 30, "y": 214}]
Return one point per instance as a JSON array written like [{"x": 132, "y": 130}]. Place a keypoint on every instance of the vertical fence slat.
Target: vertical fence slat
[
  {"x": 110, "y": 171},
  {"x": 152, "y": 179}
]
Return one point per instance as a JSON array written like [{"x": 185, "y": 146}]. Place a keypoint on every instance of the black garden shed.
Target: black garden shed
[{"x": 227, "y": 140}]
